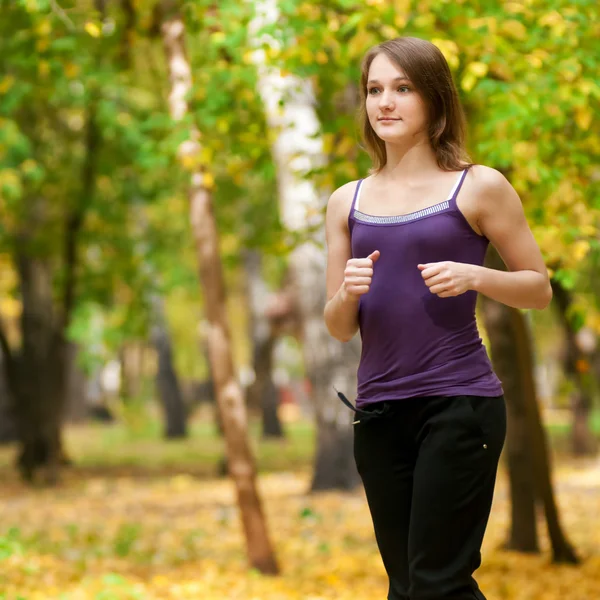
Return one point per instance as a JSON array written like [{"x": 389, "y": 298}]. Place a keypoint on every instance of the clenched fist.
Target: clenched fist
[{"x": 358, "y": 275}]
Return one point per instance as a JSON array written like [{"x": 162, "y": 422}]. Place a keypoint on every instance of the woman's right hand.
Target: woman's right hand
[{"x": 358, "y": 275}]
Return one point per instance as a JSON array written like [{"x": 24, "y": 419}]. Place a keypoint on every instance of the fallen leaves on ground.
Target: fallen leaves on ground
[{"x": 179, "y": 537}]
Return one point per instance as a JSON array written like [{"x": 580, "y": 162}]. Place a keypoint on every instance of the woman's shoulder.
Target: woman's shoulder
[
  {"x": 487, "y": 180},
  {"x": 341, "y": 198}
]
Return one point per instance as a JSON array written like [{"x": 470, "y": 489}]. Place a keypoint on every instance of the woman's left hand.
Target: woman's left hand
[{"x": 447, "y": 278}]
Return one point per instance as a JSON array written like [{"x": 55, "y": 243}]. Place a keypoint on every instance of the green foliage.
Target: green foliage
[
  {"x": 527, "y": 73},
  {"x": 528, "y": 76}
]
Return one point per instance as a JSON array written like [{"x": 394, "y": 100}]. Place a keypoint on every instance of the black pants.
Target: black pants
[{"x": 429, "y": 468}]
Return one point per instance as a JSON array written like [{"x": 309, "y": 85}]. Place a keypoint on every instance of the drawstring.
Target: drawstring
[{"x": 366, "y": 415}]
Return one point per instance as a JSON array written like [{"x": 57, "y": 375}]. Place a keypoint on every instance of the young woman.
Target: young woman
[{"x": 405, "y": 263}]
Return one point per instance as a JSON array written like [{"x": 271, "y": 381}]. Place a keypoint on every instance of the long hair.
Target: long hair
[{"x": 426, "y": 67}]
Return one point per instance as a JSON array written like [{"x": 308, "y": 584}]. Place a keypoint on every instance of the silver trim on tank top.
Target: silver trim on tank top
[{"x": 430, "y": 210}]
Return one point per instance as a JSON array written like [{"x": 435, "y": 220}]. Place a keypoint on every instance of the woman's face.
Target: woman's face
[{"x": 395, "y": 109}]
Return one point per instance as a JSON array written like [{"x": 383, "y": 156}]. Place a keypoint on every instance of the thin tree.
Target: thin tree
[{"x": 229, "y": 393}]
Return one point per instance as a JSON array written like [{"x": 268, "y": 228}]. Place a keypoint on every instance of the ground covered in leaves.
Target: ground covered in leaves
[{"x": 173, "y": 536}]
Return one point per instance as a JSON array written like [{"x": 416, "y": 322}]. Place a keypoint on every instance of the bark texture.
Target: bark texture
[
  {"x": 577, "y": 364},
  {"x": 229, "y": 394}
]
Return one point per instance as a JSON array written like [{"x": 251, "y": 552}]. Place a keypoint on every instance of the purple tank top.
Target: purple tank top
[{"x": 415, "y": 343}]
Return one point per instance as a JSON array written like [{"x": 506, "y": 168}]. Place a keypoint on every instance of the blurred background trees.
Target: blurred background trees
[{"x": 102, "y": 313}]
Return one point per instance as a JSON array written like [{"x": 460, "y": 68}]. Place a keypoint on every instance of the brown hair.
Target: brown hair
[{"x": 426, "y": 67}]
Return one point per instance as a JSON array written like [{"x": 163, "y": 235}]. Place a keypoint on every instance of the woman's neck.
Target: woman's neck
[{"x": 409, "y": 162}]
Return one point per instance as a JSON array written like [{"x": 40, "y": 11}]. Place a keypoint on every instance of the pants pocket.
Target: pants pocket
[{"x": 489, "y": 416}]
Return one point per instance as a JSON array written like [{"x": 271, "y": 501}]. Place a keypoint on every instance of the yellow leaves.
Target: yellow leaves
[
  {"x": 6, "y": 83},
  {"x": 44, "y": 27},
  {"x": 208, "y": 181},
  {"x": 583, "y": 117},
  {"x": 525, "y": 151},
  {"x": 468, "y": 82},
  {"x": 555, "y": 21},
  {"x": 217, "y": 37},
  {"x": 328, "y": 140},
  {"x": 449, "y": 49},
  {"x": 400, "y": 20},
  {"x": 43, "y": 68},
  {"x": 27, "y": 166},
  {"x": 93, "y": 29},
  {"x": 10, "y": 183},
  {"x": 514, "y": 8},
  {"x": 569, "y": 69},
  {"x": 479, "y": 69},
  {"x": 222, "y": 125},
  {"x": 535, "y": 61},
  {"x": 345, "y": 146},
  {"x": 402, "y": 7},
  {"x": 333, "y": 24},
  {"x": 309, "y": 10},
  {"x": 272, "y": 53},
  {"x": 473, "y": 72},
  {"x": 127, "y": 538},
  {"x": 514, "y": 29},
  {"x": 321, "y": 57},
  {"x": 71, "y": 70},
  {"x": 9, "y": 306},
  {"x": 579, "y": 250},
  {"x": 188, "y": 161},
  {"x": 206, "y": 155},
  {"x": 501, "y": 70},
  {"x": 305, "y": 55},
  {"x": 230, "y": 244},
  {"x": 42, "y": 44},
  {"x": 124, "y": 119}
]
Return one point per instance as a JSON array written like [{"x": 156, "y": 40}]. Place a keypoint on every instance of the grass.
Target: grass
[
  {"x": 135, "y": 443},
  {"x": 118, "y": 447}
]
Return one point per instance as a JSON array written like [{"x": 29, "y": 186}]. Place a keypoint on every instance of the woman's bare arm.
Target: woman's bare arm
[
  {"x": 500, "y": 217},
  {"x": 341, "y": 310}
]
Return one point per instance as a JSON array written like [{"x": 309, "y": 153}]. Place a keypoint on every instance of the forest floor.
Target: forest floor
[{"x": 116, "y": 530}]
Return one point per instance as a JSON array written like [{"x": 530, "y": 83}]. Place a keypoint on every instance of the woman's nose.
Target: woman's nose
[{"x": 386, "y": 100}]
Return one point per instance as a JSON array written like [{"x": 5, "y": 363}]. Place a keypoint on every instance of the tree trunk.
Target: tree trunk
[
  {"x": 289, "y": 109},
  {"x": 513, "y": 362},
  {"x": 8, "y": 427},
  {"x": 39, "y": 399},
  {"x": 229, "y": 393},
  {"x": 167, "y": 382},
  {"x": 262, "y": 396},
  {"x": 577, "y": 366}
]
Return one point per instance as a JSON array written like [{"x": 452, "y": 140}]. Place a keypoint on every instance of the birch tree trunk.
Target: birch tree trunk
[
  {"x": 229, "y": 393},
  {"x": 289, "y": 108}
]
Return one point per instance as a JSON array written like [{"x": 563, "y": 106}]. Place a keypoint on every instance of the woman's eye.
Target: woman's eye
[
  {"x": 372, "y": 90},
  {"x": 403, "y": 88}
]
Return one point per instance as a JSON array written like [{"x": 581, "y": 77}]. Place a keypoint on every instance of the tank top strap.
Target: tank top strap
[
  {"x": 456, "y": 188},
  {"x": 356, "y": 197}
]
